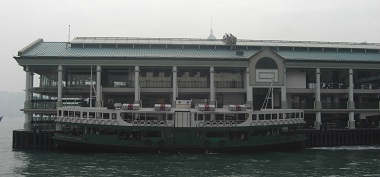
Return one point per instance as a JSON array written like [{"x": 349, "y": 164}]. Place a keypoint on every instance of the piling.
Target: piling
[
  {"x": 33, "y": 139},
  {"x": 341, "y": 137}
]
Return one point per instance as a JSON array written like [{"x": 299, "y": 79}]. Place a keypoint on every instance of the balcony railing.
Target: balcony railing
[
  {"x": 328, "y": 85},
  {"x": 229, "y": 84},
  {"x": 44, "y": 105},
  {"x": 155, "y": 84},
  {"x": 52, "y": 104},
  {"x": 193, "y": 84}
]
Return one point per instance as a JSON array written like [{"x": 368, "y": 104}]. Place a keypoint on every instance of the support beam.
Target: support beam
[
  {"x": 99, "y": 101},
  {"x": 27, "y": 103},
  {"x": 248, "y": 90},
  {"x": 137, "y": 85},
  {"x": 317, "y": 103},
  {"x": 351, "y": 103},
  {"x": 284, "y": 103},
  {"x": 212, "y": 86},
  {"x": 175, "y": 91},
  {"x": 59, "y": 84}
]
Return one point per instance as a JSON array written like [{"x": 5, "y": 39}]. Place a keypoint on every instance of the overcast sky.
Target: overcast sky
[{"x": 23, "y": 21}]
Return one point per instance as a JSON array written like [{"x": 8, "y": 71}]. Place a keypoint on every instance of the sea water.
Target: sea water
[{"x": 335, "y": 161}]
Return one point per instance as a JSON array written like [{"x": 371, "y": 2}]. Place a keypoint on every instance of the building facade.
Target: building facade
[{"x": 336, "y": 84}]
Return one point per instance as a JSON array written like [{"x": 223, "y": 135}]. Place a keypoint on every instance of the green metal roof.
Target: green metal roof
[
  {"x": 60, "y": 49},
  {"x": 54, "y": 49},
  {"x": 330, "y": 56}
]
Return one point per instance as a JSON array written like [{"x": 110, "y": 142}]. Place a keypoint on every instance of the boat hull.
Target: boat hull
[{"x": 297, "y": 142}]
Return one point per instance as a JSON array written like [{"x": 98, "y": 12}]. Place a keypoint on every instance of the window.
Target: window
[
  {"x": 106, "y": 115},
  {"x": 254, "y": 117},
  {"x": 261, "y": 116},
  {"x": 274, "y": 116},
  {"x": 219, "y": 117},
  {"x": 207, "y": 117},
  {"x": 84, "y": 114},
  {"x": 98, "y": 115},
  {"x": 169, "y": 117},
  {"x": 142, "y": 116},
  {"x": 230, "y": 116},
  {"x": 266, "y": 63},
  {"x": 200, "y": 117},
  {"x": 242, "y": 117}
]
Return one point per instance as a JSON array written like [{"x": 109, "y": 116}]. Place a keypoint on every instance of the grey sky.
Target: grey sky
[{"x": 23, "y": 21}]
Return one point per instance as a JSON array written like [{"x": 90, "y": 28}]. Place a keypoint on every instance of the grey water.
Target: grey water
[{"x": 332, "y": 161}]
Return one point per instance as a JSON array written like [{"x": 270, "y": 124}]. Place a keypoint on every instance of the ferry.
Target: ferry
[{"x": 186, "y": 128}]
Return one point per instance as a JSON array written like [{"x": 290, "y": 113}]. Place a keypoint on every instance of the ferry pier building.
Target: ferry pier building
[{"x": 337, "y": 84}]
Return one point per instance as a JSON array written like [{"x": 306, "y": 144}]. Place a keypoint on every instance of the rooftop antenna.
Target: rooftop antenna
[
  {"x": 211, "y": 36},
  {"x": 68, "y": 39},
  {"x": 211, "y": 23}
]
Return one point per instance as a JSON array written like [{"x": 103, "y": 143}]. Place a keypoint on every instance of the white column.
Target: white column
[
  {"x": 212, "y": 86},
  {"x": 99, "y": 102},
  {"x": 27, "y": 103},
  {"x": 248, "y": 89},
  {"x": 351, "y": 103},
  {"x": 27, "y": 85},
  {"x": 317, "y": 103},
  {"x": 31, "y": 82},
  {"x": 284, "y": 103},
  {"x": 59, "y": 82},
  {"x": 175, "y": 91},
  {"x": 137, "y": 85}
]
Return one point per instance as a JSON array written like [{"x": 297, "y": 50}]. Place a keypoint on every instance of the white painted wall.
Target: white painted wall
[{"x": 295, "y": 79}]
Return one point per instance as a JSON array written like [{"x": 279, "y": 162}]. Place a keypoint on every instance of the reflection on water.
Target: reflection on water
[{"x": 336, "y": 161}]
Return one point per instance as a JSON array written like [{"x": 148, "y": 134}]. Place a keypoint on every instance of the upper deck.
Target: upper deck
[{"x": 180, "y": 117}]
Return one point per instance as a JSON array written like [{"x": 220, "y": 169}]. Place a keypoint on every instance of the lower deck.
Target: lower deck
[{"x": 173, "y": 139}]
